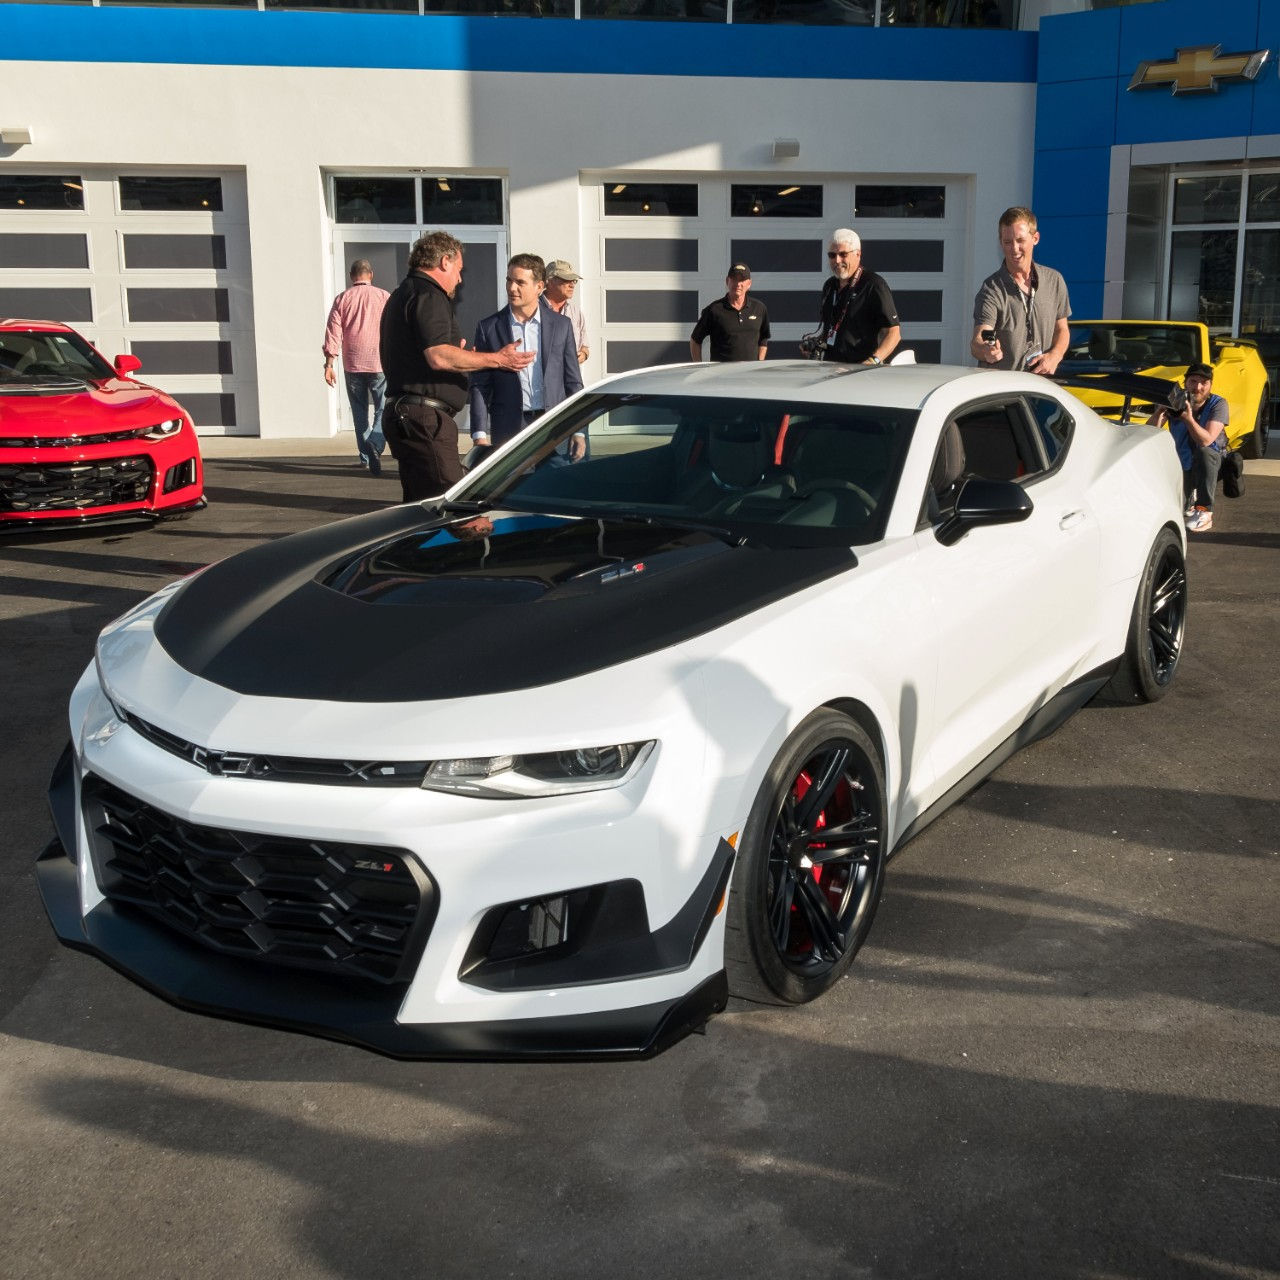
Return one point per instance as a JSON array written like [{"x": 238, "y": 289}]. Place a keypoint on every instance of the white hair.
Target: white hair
[{"x": 842, "y": 235}]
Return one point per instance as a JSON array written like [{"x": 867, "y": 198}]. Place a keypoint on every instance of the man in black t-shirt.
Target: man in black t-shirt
[
  {"x": 738, "y": 328},
  {"x": 859, "y": 318},
  {"x": 426, "y": 367}
]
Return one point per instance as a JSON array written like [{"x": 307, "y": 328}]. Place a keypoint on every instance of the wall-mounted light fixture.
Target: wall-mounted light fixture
[
  {"x": 16, "y": 136},
  {"x": 786, "y": 148}
]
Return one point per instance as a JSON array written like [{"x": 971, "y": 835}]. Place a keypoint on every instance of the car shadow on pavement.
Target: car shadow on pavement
[{"x": 938, "y": 1168}]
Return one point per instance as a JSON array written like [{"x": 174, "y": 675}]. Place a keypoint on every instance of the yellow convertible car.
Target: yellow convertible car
[{"x": 1164, "y": 349}]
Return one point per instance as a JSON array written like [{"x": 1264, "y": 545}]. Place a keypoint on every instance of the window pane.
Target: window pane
[
  {"x": 902, "y": 255},
  {"x": 1202, "y": 273},
  {"x": 190, "y": 193},
  {"x": 44, "y": 251},
  {"x": 350, "y": 6},
  {"x": 190, "y": 253},
  {"x": 72, "y": 305},
  {"x": 652, "y": 306},
  {"x": 651, "y": 199},
  {"x": 918, "y": 304},
  {"x": 534, "y": 8},
  {"x": 757, "y": 201},
  {"x": 790, "y": 306},
  {"x": 651, "y": 255},
  {"x": 374, "y": 200},
  {"x": 184, "y": 357},
  {"x": 40, "y": 191},
  {"x": 1055, "y": 425},
  {"x": 1215, "y": 198},
  {"x": 900, "y": 202},
  {"x": 167, "y": 306},
  {"x": 664, "y": 10},
  {"x": 462, "y": 201},
  {"x": 1264, "y": 197},
  {"x": 779, "y": 255},
  {"x": 1260, "y": 300},
  {"x": 209, "y": 408},
  {"x": 621, "y": 356}
]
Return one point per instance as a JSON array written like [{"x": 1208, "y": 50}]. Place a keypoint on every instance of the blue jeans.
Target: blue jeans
[{"x": 361, "y": 389}]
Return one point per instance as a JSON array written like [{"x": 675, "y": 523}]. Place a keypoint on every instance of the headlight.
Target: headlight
[
  {"x": 549, "y": 773},
  {"x": 162, "y": 429}
]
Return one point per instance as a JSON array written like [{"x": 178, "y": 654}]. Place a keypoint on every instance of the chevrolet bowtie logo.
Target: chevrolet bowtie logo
[{"x": 1198, "y": 69}]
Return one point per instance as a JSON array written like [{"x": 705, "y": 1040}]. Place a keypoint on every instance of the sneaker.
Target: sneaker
[
  {"x": 1190, "y": 511},
  {"x": 1201, "y": 522}
]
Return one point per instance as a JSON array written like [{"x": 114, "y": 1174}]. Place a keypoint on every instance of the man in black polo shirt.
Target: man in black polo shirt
[
  {"x": 426, "y": 367},
  {"x": 858, "y": 314},
  {"x": 738, "y": 329}
]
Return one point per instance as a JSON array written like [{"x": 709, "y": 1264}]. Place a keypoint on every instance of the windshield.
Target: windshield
[
  {"x": 29, "y": 357},
  {"x": 774, "y": 472},
  {"x": 1103, "y": 347}
]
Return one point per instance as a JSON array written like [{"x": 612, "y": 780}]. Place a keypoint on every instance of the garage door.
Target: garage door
[
  {"x": 656, "y": 250},
  {"x": 154, "y": 262}
]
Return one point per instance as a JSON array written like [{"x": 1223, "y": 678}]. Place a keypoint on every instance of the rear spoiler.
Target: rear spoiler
[{"x": 1129, "y": 386}]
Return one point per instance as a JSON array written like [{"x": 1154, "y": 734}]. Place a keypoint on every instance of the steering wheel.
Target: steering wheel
[{"x": 837, "y": 486}]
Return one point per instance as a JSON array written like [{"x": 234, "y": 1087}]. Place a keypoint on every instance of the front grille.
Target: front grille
[
  {"x": 350, "y": 909},
  {"x": 73, "y": 486},
  {"x": 278, "y": 768},
  {"x": 71, "y": 441}
]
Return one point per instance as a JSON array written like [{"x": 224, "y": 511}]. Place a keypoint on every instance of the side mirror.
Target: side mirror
[
  {"x": 126, "y": 365},
  {"x": 982, "y": 502}
]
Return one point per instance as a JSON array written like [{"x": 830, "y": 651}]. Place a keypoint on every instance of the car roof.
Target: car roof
[
  {"x": 38, "y": 326},
  {"x": 891, "y": 386}
]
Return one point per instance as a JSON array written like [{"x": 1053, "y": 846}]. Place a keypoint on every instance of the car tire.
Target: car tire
[
  {"x": 1156, "y": 628},
  {"x": 1254, "y": 445},
  {"x": 800, "y": 907}
]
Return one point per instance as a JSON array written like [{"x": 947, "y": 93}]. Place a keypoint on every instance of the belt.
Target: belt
[{"x": 410, "y": 398}]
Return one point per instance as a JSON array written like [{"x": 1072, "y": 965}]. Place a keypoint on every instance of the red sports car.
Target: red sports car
[{"x": 81, "y": 441}]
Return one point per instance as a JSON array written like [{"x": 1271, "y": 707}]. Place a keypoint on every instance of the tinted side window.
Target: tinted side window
[
  {"x": 1054, "y": 423},
  {"x": 995, "y": 443}
]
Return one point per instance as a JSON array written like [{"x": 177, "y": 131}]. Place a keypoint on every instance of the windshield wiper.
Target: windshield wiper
[{"x": 734, "y": 537}]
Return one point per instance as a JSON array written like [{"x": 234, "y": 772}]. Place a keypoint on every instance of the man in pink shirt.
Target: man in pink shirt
[{"x": 353, "y": 332}]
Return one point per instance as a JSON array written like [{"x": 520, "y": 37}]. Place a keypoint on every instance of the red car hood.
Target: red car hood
[{"x": 115, "y": 405}]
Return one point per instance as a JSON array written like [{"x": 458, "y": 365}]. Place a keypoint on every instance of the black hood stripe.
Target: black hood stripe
[{"x": 388, "y": 608}]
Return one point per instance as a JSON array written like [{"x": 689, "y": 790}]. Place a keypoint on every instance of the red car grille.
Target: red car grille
[
  {"x": 65, "y": 442},
  {"x": 347, "y": 909},
  {"x": 74, "y": 486}
]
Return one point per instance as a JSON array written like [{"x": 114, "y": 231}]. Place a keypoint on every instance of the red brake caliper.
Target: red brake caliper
[{"x": 802, "y": 784}]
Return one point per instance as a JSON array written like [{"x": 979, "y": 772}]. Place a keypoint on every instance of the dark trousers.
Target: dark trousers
[
  {"x": 1201, "y": 478},
  {"x": 424, "y": 441}
]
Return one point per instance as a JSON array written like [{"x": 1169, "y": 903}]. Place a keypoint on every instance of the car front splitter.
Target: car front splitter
[{"x": 193, "y": 978}]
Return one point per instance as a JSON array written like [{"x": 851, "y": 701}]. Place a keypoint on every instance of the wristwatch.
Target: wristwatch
[{"x": 875, "y": 359}]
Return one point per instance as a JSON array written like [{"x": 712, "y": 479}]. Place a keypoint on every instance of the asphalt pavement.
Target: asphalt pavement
[{"x": 1058, "y": 1055}]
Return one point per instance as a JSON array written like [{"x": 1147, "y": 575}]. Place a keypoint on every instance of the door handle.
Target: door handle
[{"x": 1071, "y": 519}]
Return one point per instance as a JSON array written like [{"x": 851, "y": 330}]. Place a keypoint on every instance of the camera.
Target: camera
[
  {"x": 1177, "y": 399},
  {"x": 988, "y": 335},
  {"x": 813, "y": 345}
]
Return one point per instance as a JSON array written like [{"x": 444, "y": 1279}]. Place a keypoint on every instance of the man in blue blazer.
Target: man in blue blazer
[{"x": 504, "y": 402}]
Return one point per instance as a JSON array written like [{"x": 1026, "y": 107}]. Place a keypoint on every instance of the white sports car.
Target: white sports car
[{"x": 551, "y": 766}]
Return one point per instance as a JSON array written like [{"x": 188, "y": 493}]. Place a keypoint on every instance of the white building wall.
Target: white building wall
[{"x": 289, "y": 127}]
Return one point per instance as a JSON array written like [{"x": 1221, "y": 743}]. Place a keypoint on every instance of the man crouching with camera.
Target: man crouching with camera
[
  {"x": 1198, "y": 424},
  {"x": 859, "y": 321}
]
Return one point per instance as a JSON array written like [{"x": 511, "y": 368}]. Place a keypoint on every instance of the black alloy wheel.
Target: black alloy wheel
[
  {"x": 1157, "y": 627},
  {"x": 1254, "y": 444},
  {"x": 811, "y": 865}
]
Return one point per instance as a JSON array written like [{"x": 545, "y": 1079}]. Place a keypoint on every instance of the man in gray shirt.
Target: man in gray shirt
[{"x": 1020, "y": 314}]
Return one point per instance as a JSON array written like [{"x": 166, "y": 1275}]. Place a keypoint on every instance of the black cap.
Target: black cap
[{"x": 739, "y": 271}]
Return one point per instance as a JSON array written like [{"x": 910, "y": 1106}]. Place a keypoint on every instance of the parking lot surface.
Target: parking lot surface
[{"x": 1058, "y": 1055}]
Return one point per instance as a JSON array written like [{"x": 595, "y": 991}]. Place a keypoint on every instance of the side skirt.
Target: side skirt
[{"x": 1040, "y": 724}]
